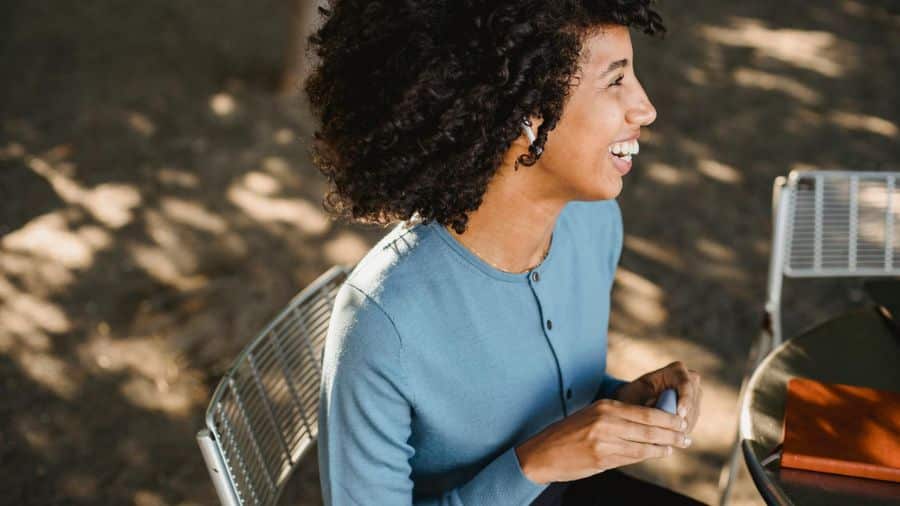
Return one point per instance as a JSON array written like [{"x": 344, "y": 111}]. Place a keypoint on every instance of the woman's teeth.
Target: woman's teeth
[{"x": 625, "y": 150}]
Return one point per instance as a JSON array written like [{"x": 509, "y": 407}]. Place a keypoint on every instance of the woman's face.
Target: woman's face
[{"x": 606, "y": 108}]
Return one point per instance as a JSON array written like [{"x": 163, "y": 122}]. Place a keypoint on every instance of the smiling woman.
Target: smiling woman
[
  {"x": 420, "y": 101},
  {"x": 466, "y": 354}
]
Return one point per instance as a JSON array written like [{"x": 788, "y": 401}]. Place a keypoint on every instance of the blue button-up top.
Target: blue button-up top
[{"x": 437, "y": 365}]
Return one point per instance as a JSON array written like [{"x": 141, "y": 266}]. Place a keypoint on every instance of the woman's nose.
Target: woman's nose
[{"x": 642, "y": 113}]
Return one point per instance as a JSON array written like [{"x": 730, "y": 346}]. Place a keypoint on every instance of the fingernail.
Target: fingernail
[
  {"x": 687, "y": 441},
  {"x": 682, "y": 412}
]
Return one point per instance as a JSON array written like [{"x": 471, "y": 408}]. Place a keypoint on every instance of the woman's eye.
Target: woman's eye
[{"x": 618, "y": 81}]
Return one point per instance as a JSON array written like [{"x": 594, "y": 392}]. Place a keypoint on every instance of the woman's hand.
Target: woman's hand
[
  {"x": 646, "y": 389},
  {"x": 603, "y": 435}
]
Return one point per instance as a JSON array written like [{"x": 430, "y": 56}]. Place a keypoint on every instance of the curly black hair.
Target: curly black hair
[{"x": 418, "y": 100}]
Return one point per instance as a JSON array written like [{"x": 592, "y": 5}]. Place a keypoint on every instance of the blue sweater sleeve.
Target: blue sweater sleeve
[
  {"x": 366, "y": 407},
  {"x": 608, "y": 387}
]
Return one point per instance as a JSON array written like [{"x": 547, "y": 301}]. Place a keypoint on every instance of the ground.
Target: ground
[{"x": 157, "y": 207}]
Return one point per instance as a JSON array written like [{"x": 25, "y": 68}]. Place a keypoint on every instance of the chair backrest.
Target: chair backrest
[
  {"x": 263, "y": 415},
  {"x": 833, "y": 224}
]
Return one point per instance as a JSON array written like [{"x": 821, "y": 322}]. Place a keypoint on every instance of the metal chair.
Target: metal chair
[
  {"x": 826, "y": 224},
  {"x": 263, "y": 415}
]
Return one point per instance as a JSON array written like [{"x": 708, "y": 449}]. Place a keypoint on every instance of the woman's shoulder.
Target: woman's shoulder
[{"x": 406, "y": 257}]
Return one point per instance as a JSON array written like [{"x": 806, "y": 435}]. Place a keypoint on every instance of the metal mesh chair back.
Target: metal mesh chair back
[
  {"x": 264, "y": 412},
  {"x": 843, "y": 224}
]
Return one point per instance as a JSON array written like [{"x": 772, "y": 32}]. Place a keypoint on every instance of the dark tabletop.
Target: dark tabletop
[
  {"x": 886, "y": 293},
  {"x": 858, "y": 348}
]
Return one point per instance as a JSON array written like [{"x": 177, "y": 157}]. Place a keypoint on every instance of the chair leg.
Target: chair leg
[
  {"x": 726, "y": 476},
  {"x": 761, "y": 347}
]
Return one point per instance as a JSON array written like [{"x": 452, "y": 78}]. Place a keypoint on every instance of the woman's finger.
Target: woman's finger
[
  {"x": 637, "y": 452},
  {"x": 640, "y": 433},
  {"x": 642, "y": 414},
  {"x": 679, "y": 377}
]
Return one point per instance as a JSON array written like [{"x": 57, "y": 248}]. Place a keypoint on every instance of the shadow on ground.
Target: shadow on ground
[{"x": 157, "y": 207}]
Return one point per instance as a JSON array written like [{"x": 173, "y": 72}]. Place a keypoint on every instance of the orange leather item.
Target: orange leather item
[{"x": 842, "y": 429}]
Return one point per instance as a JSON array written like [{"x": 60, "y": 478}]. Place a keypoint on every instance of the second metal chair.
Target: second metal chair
[{"x": 825, "y": 224}]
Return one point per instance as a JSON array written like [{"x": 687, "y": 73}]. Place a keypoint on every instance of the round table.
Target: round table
[{"x": 857, "y": 348}]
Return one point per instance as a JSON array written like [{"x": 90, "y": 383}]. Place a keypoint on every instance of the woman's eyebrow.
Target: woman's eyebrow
[{"x": 614, "y": 65}]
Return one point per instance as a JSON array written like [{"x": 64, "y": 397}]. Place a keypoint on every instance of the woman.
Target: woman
[{"x": 465, "y": 359}]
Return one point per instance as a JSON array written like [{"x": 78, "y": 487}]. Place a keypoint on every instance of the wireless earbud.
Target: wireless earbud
[
  {"x": 668, "y": 401},
  {"x": 526, "y": 127}
]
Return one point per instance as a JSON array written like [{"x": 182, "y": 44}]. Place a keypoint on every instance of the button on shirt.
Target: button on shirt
[{"x": 437, "y": 365}]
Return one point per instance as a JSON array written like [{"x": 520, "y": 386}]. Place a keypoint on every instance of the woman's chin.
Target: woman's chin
[
  {"x": 608, "y": 187},
  {"x": 612, "y": 182}
]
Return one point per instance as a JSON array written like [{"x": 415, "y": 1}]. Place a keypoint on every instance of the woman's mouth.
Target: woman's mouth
[{"x": 621, "y": 153}]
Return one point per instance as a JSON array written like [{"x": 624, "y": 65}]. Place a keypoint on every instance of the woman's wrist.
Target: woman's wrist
[
  {"x": 526, "y": 461},
  {"x": 615, "y": 393}
]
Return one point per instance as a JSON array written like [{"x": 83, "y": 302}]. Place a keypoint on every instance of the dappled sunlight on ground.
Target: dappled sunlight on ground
[
  {"x": 192, "y": 214},
  {"x": 767, "y": 81},
  {"x": 158, "y": 207},
  {"x": 347, "y": 248},
  {"x": 222, "y": 104},
  {"x": 175, "y": 177},
  {"x": 48, "y": 238},
  {"x": 640, "y": 299},
  {"x": 668, "y": 175},
  {"x": 719, "y": 171},
  {"x": 715, "y": 251},
  {"x": 818, "y": 51},
  {"x": 110, "y": 203},
  {"x": 160, "y": 376},
  {"x": 50, "y": 372},
  {"x": 147, "y": 234},
  {"x": 864, "y": 123},
  {"x": 253, "y": 197},
  {"x": 653, "y": 251}
]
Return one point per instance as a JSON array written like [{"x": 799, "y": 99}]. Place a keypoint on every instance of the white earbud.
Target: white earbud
[{"x": 526, "y": 127}]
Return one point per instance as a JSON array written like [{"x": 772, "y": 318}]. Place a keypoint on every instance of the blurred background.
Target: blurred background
[{"x": 158, "y": 207}]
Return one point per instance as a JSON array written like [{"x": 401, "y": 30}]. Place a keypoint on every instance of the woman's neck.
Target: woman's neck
[{"x": 513, "y": 226}]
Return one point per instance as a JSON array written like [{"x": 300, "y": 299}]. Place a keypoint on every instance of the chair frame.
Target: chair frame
[
  {"x": 220, "y": 461},
  {"x": 784, "y": 202}
]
